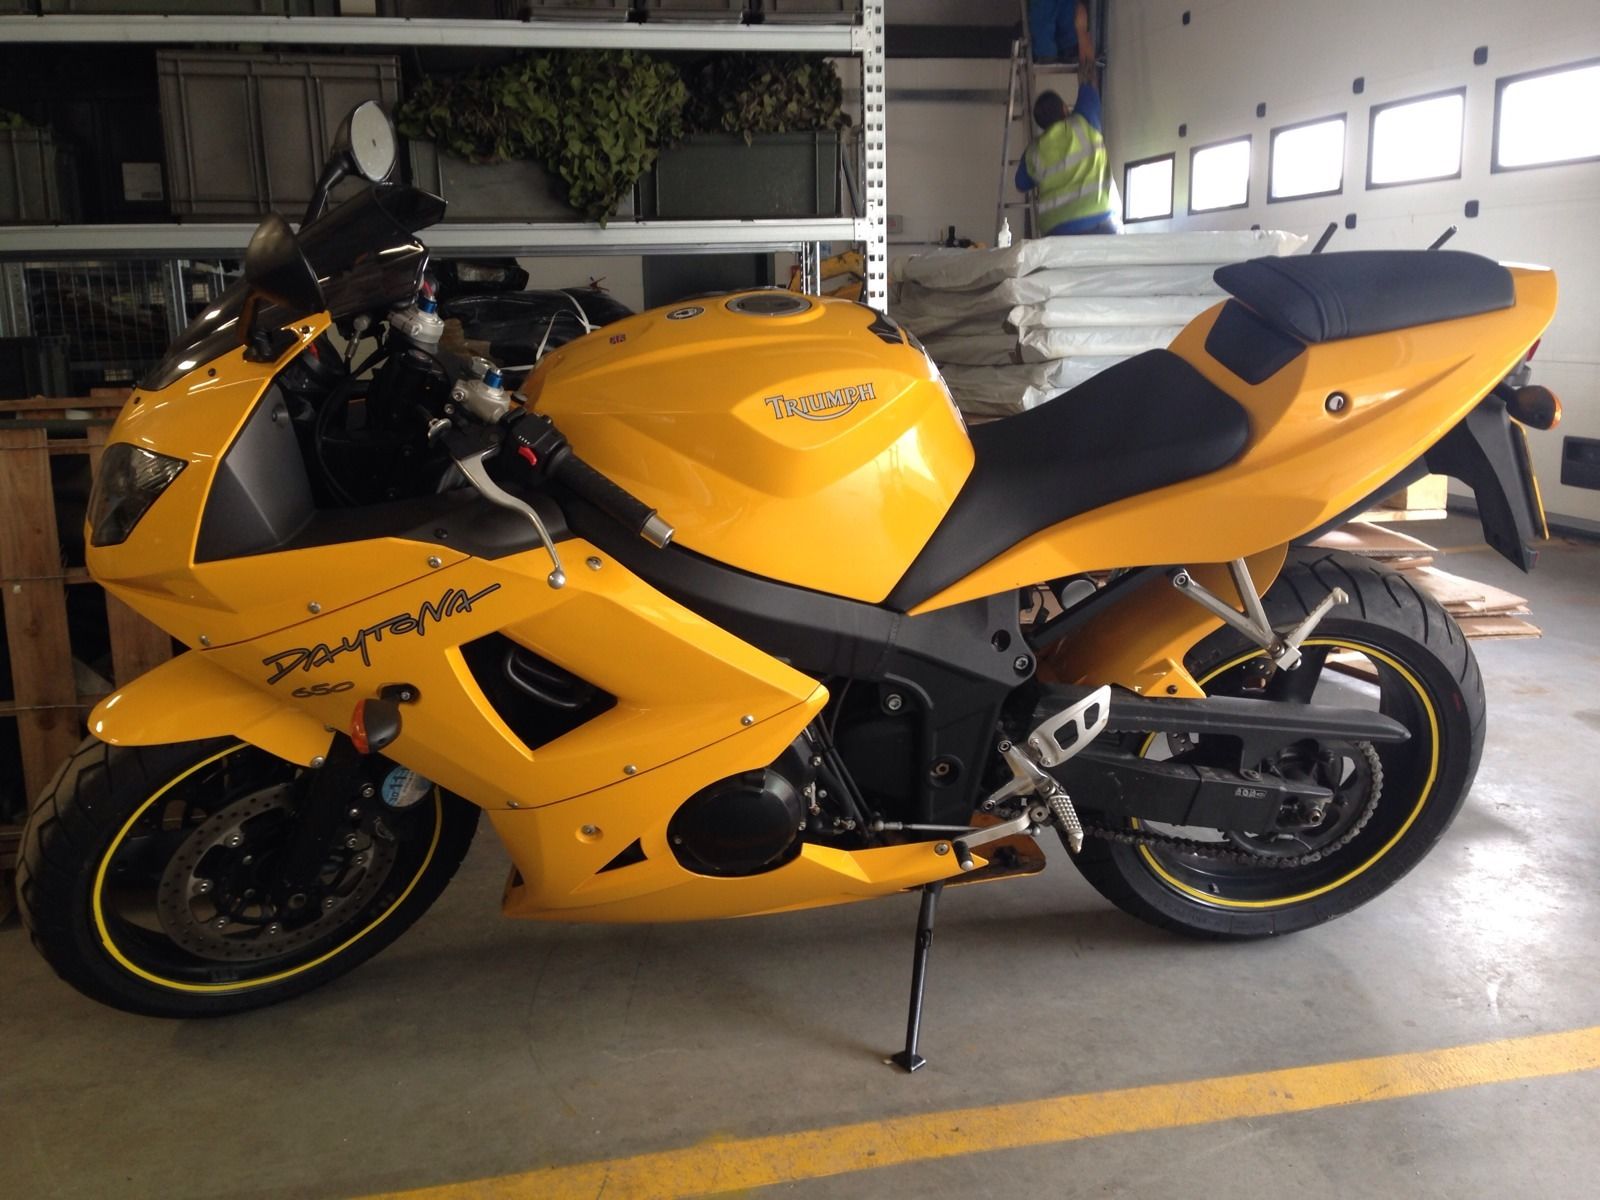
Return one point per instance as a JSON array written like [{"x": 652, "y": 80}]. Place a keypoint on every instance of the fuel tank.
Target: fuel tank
[{"x": 802, "y": 439}]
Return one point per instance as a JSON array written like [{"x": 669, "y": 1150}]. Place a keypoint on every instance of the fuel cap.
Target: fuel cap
[{"x": 769, "y": 304}]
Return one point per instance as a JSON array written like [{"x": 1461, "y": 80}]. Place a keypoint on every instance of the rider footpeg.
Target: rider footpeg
[
  {"x": 1067, "y": 817},
  {"x": 1054, "y": 741}
]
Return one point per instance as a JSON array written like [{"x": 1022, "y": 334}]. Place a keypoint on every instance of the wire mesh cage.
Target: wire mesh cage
[{"x": 115, "y": 316}]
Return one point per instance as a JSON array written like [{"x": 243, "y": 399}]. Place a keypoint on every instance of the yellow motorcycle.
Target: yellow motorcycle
[{"x": 724, "y": 611}]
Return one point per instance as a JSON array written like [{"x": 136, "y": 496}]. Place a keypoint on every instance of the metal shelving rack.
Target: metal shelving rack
[{"x": 805, "y": 237}]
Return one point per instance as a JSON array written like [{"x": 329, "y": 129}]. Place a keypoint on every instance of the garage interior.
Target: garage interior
[{"x": 1439, "y": 1038}]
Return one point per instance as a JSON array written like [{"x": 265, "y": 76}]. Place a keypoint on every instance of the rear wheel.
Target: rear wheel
[
  {"x": 1391, "y": 648},
  {"x": 147, "y": 877}
]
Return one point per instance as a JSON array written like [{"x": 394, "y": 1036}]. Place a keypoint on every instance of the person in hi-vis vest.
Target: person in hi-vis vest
[{"x": 1067, "y": 162}]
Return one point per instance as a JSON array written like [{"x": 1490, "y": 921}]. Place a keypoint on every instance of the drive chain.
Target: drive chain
[{"x": 1228, "y": 853}]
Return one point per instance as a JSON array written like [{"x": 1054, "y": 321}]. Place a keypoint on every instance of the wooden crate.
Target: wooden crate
[{"x": 46, "y": 701}]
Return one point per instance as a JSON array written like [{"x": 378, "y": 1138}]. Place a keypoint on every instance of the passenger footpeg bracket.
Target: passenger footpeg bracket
[
  {"x": 1283, "y": 649},
  {"x": 1085, "y": 720}
]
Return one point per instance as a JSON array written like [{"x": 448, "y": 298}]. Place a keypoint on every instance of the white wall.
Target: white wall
[
  {"x": 1300, "y": 58},
  {"x": 944, "y": 155}
]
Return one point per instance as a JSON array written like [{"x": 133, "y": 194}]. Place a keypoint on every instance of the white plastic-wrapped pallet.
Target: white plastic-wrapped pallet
[
  {"x": 1042, "y": 344},
  {"x": 977, "y": 268},
  {"x": 974, "y": 349},
  {"x": 1002, "y": 391},
  {"x": 1074, "y": 312},
  {"x": 1013, "y": 328}
]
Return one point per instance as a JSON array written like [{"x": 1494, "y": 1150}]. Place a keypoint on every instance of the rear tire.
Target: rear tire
[
  {"x": 1429, "y": 680},
  {"x": 114, "y": 819}
]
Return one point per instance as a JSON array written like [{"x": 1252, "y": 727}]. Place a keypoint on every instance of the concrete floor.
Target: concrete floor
[{"x": 478, "y": 1047}]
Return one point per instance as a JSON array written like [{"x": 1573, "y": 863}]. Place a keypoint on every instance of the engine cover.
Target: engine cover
[{"x": 741, "y": 825}]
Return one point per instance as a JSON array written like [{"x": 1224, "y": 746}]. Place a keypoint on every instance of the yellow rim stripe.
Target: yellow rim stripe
[
  {"x": 716, "y": 1167},
  {"x": 1427, "y": 790},
  {"x": 248, "y": 985}
]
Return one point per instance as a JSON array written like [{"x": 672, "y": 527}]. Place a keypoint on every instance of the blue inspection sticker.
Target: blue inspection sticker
[{"x": 403, "y": 787}]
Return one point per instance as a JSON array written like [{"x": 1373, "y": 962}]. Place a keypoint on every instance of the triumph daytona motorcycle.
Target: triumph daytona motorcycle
[{"x": 722, "y": 610}]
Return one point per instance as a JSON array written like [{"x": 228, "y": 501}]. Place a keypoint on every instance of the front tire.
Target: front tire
[
  {"x": 115, "y": 878},
  {"x": 1422, "y": 672}
]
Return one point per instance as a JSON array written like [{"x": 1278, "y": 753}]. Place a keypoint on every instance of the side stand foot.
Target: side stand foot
[{"x": 908, "y": 1059}]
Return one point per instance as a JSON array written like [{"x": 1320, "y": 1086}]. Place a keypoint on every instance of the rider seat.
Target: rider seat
[{"x": 1150, "y": 421}]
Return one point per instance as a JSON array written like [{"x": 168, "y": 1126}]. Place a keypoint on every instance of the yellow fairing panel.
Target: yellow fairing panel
[
  {"x": 219, "y": 603},
  {"x": 560, "y": 873},
  {"x": 798, "y": 447},
  {"x": 191, "y": 697},
  {"x": 1305, "y": 463},
  {"x": 680, "y": 682}
]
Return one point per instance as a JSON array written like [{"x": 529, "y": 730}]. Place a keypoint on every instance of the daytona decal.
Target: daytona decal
[{"x": 307, "y": 658}]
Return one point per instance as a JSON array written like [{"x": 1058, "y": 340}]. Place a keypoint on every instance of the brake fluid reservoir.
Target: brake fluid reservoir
[{"x": 419, "y": 323}]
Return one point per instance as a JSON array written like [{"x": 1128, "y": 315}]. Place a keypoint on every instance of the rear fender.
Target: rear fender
[
  {"x": 190, "y": 698},
  {"x": 1490, "y": 455}
]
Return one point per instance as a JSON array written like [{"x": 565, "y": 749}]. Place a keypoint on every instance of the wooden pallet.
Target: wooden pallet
[
  {"x": 1480, "y": 609},
  {"x": 45, "y": 699}
]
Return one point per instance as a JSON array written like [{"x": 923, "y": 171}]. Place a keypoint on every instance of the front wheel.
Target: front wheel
[
  {"x": 1391, "y": 648},
  {"x": 148, "y": 876}
]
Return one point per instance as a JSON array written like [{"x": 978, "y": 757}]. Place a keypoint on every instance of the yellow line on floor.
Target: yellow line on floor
[{"x": 714, "y": 1167}]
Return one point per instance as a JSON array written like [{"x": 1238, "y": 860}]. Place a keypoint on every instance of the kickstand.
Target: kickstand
[{"x": 908, "y": 1059}]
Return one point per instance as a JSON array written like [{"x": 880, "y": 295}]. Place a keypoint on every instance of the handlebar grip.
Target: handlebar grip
[{"x": 611, "y": 499}]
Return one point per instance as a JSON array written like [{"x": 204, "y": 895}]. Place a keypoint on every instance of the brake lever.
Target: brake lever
[{"x": 470, "y": 453}]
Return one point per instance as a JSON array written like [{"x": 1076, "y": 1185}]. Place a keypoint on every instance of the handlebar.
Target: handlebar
[
  {"x": 535, "y": 439},
  {"x": 610, "y": 498}
]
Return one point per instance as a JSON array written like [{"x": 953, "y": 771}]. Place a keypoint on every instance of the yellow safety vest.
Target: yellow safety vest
[{"x": 1069, "y": 167}]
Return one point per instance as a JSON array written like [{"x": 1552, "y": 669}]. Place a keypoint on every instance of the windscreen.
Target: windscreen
[{"x": 366, "y": 255}]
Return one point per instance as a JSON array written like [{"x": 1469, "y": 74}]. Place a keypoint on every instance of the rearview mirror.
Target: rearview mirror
[
  {"x": 368, "y": 138},
  {"x": 365, "y": 146}
]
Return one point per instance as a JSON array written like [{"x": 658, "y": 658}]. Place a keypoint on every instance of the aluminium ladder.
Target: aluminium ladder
[{"x": 1021, "y": 89}]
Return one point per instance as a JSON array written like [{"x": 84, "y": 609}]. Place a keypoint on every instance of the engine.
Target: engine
[{"x": 747, "y": 823}]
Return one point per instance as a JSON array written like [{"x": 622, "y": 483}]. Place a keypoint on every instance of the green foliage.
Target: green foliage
[
  {"x": 13, "y": 120},
  {"x": 764, "y": 93},
  {"x": 596, "y": 118}
]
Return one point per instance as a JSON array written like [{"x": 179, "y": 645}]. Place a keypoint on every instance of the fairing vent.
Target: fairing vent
[{"x": 537, "y": 700}]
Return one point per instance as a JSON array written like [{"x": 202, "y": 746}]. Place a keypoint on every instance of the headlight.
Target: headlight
[{"x": 130, "y": 480}]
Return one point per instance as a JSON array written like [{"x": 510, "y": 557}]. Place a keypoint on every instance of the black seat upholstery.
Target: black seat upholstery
[
  {"x": 1143, "y": 424},
  {"x": 1325, "y": 297}
]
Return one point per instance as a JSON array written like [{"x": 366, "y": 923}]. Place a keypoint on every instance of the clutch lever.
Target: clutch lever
[{"x": 470, "y": 450}]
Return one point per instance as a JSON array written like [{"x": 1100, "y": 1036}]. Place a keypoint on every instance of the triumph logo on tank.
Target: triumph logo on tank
[{"x": 822, "y": 406}]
